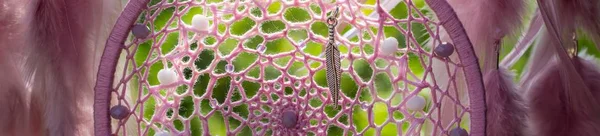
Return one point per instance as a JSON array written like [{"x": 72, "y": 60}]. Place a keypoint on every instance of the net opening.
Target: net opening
[{"x": 258, "y": 68}]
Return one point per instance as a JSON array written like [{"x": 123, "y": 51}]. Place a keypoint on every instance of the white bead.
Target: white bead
[
  {"x": 200, "y": 22},
  {"x": 389, "y": 46},
  {"x": 162, "y": 133},
  {"x": 167, "y": 76},
  {"x": 415, "y": 103}
]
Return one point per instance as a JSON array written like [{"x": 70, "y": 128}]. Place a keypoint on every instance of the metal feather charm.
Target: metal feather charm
[{"x": 332, "y": 56}]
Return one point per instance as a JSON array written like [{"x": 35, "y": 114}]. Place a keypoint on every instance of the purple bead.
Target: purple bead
[
  {"x": 289, "y": 119},
  {"x": 119, "y": 112},
  {"x": 458, "y": 132},
  {"x": 444, "y": 50},
  {"x": 140, "y": 31}
]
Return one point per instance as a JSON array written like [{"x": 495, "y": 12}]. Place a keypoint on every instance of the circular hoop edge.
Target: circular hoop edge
[
  {"x": 108, "y": 63},
  {"x": 469, "y": 61}
]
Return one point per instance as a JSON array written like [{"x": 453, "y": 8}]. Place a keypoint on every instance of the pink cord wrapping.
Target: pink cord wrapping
[
  {"x": 470, "y": 63},
  {"x": 449, "y": 20},
  {"x": 108, "y": 63}
]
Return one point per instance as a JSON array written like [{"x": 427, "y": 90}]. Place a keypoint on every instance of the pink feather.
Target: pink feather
[
  {"x": 570, "y": 15},
  {"x": 13, "y": 98},
  {"x": 564, "y": 98},
  {"x": 590, "y": 72},
  {"x": 61, "y": 58},
  {"x": 13, "y": 92},
  {"x": 539, "y": 58},
  {"x": 525, "y": 41},
  {"x": 560, "y": 107},
  {"x": 505, "y": 108},
  {"x": 487, "y": 22}
]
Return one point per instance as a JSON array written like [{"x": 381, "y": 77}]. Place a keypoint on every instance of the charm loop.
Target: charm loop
[{"x": 331, "y": 20}]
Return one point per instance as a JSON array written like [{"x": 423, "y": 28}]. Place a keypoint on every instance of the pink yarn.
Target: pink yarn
[{"x": 269, "y": 109}]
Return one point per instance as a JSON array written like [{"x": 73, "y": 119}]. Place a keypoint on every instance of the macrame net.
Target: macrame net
[{"x": 263, "y": 58}]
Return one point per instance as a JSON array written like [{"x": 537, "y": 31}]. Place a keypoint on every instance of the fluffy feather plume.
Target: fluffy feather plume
[
  {"x": 540, "y": 57},
  {"x": 61, "y": 58},
  {"x": 487, "y": 22},
  {"x": 505, "y": 108},
  {"x": 525, "y": 41},
  {"x": 561, "y": 106},
  {"x": 13, "y": 102},
  {"x": 564, "y": 96},
  {"x": 13, "y": 93},
  {"x": 562, "y": 17},
  {"x": 590, "y": 71}
]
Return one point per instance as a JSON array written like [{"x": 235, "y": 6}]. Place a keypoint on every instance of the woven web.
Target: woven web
[{"x": 262, "y": 58}]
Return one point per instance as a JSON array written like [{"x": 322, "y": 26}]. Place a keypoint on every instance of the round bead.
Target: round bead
[
  {"x": 200, "y": 22},
  {"x": 458, "y": 132},
  {"x": 415, "y": 103},
  {"x": 389, "y": 46},
  {"x": 229, "y": 68},
  {"x": 167, "y": 76},
  {"x": 444, "y": 50},
  {"x": 261, "y": 48},
  {"x": 289, "y": 119},
  {"x": 119, "y": 112},
  {"x": 140, "y": 31}
]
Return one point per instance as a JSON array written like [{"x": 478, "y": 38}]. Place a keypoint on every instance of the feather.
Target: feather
[
  {"x": 590, "y": 72},
  {"x": 13, "y": 92},
  {"x": 13, "y": 101},
  {"x": 505, "y": 108},
  {"x": 62, "y": 55},
  {"x": 570, "y": 15},
  {"x": 560, "y": 106},
  {"x": 539, "y": 58},
  {"x": 525, "y": 42},
  {"x": 13, "y": 95},
  {"x": 487, "y": 22},
  {"x": 563, "y": 96}
]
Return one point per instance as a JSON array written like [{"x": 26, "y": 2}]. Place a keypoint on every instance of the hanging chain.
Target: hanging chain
[{"x": 332, "y": 53}]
